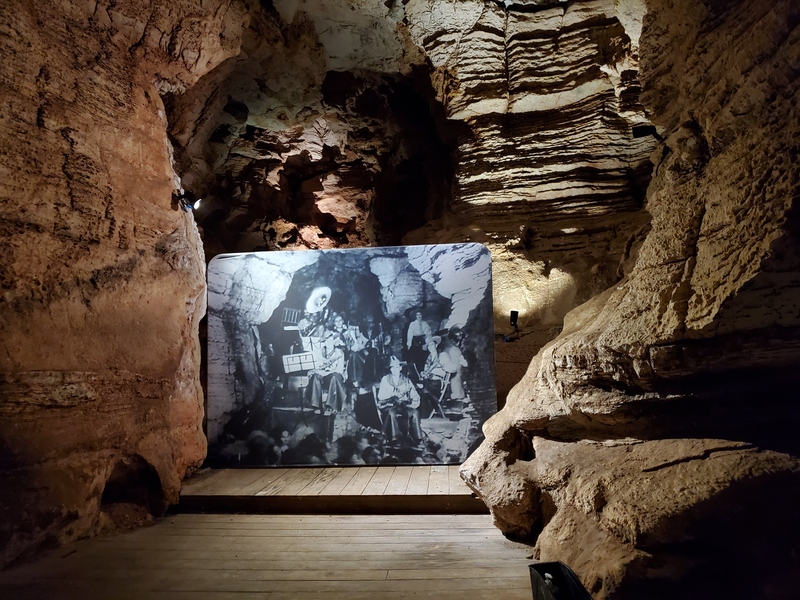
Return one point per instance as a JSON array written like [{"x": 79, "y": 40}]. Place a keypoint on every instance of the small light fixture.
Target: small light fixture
[
  {"x": 513, "y": 319},
  {"x": 186, "y": 200}
]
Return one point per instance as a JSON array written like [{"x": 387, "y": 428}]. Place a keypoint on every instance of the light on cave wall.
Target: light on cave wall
[
  {"x": 541, "y": 296},
  {"x": 186, "y": 200}
]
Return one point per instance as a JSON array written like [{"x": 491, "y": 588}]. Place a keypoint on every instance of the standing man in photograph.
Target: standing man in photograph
[
  {"x": 417, "y": 337},
  {"x": 328, "y": 376}
]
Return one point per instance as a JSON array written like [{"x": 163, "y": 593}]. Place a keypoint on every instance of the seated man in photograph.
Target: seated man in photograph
[
  {"x": 328, "y": 376},
  {"x": 398, "y": 401}
]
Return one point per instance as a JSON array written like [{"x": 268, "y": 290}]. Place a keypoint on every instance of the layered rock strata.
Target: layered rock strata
[
  {"x": 103, "y": 283},
  {"x": 552, "y": 172},
  {"x": 304, "y": 142},
  {"x": 698, "y": 342},
  {"x": 512, "y": 124}
]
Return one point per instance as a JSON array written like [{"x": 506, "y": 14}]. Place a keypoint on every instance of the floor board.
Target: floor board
[
  {"x": 375, "y": 489},
  {"x": 399, "y": 481},
  {"x": 320, "y": 481},
  {"x": 269, "y": 476},
  {"x": 380, "y": 479},
  {"x": 337, "y": 485},
  {"x": 439, "y": 482},
  {"x": 375, "y": 481},
  {"x": 418, "y": 482},
  {"x": 359, "y": 481},
  {"x": 277, "y": 557}
]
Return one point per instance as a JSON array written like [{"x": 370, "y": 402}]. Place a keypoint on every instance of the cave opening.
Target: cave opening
[
  {"x": 132, "y": 492},
  {"x": 367, "y": 162}
]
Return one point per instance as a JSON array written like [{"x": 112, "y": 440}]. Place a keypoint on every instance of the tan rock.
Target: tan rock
[
  {"x": 697, "y": 338},
  {"x": 103, "y": 281}
]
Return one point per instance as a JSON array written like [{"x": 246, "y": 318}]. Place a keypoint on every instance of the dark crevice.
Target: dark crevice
[{"x": 134, "y": 481}]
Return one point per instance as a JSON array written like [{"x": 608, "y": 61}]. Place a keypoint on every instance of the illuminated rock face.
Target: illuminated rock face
[
  {"x": 686, "y": 369},
  {"x": 349, "y": 124},
  {"x": 549, "y": 176},
  {"x": 103, "y": 282}
]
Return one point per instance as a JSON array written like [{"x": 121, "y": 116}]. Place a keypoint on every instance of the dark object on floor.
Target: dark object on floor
[{"x": 556, "y": 581}]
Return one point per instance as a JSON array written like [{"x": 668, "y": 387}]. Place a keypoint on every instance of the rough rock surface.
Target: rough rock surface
[
  {"x": 303, "y": 141},
  {"x": 699, "y": 342},
  {"x": 548, "y": 174},
  {"x": 511, "y": 124},
  {"x": 318, "y": 141},
  {"x": 102, "y": 279}
]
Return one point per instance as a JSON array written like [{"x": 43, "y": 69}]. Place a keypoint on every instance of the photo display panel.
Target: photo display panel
[{"x": 349, "y": 357}]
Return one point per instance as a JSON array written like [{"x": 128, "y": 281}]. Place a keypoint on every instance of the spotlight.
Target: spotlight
[
  {"x": 515, "y": 334},
  {"x": 196, "y": 205},
  {"x": 186, "y": 200}
]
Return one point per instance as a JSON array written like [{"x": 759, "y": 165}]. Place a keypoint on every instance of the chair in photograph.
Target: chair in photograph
[
  {"x": 437, "y": 400},
  {"x": 290, "y": 319},
  {"x": 366, "y": 409}
]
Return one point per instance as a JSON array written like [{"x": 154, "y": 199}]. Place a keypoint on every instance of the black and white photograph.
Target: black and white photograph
[{"x": 350, "y": 357}]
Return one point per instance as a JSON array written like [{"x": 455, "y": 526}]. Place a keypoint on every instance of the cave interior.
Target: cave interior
[{"x": 631, "y": 167}]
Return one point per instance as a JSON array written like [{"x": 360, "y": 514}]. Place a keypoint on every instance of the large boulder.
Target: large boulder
[
  {"x": 102, "y": 276},
  {"x": 689, "y": 364}
]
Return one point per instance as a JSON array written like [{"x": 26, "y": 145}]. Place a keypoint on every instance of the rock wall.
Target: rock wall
[
  {"x": 649, "y": 445},
  {"x": 654, "y": 435},
  {"x": 305, "y": 141},
  {"x": 512, "y": 124},
  {"x": 299, "y": 124},
  {"x": 548, "y": 173},
  {"x": 102, "y": 278}
]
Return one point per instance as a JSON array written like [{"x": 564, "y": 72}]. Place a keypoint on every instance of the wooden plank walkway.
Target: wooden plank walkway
[
  {"x": 282, "y": 557},
  {"x": 387, "y": 489}
]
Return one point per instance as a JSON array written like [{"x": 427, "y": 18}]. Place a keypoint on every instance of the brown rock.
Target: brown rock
[
  {"x": 696, "y": 342},
  {"x": 102, "y": 279}
]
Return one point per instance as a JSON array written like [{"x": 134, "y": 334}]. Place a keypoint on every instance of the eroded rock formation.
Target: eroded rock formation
[
  {"x": 550, "y": 175},
  {"x": 698, "y": 342},
  {"x": 308, "y": 139},
  {"x": 103, "y": 283},
  {"x": 511, "y": 124}
]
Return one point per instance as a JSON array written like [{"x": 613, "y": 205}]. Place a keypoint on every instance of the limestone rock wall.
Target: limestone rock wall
[
  {"x": 102, "y": 278},
  {"x": 649, "y": 445},
  {"x": 548, "y": 174},
  {"x": 653, "y": 435},
  {"x": 349, "y": 124},
  {"x": 299, "y": 124},
  {"x": 311, "y": 139}
]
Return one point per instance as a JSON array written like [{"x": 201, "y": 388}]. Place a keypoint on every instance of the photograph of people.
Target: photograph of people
[{"x": 350, "y": 356}]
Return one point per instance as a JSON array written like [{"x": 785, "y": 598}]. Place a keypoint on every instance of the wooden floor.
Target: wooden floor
[
  {"x": 389, "y": 489},
  {"x": 283, "y": 557}
]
